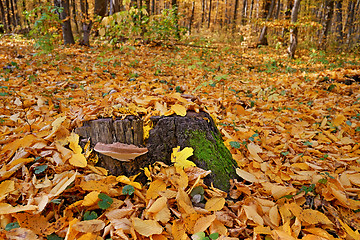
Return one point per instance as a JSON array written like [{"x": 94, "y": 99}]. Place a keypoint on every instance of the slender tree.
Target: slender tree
[
  {"x": 294, "y": 29},
  {"x": 244, "y": 12},
  {"x": 235, "y": 14},
  {"x": 349, "y": 21},
  {"x": 285, "y": 30},
  {"x": 86, "y": 22},
  {"x": 328, "y": 14},
  {"x": 209, "y": 13},
  {"x": 100, "y": 7},
  {"x": 3, "y": 17},
  {"x": 268, "y": 10},
  {"x": 191, "y": 16},
  {"x": 66, "y": 25},
  {"x": 339, "y": 21}
]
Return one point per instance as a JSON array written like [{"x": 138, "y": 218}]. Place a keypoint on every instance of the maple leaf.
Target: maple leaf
[{"x": 179, "y": 158}]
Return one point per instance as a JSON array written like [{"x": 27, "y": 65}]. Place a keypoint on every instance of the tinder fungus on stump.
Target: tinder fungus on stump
[{"x": 107, "y": 131}]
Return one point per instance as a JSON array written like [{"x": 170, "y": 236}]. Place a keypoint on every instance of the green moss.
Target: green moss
[{"x": 213, "y": 155}]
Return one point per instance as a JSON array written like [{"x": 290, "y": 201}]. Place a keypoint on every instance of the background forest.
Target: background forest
[{"x": 319, "y": 23}]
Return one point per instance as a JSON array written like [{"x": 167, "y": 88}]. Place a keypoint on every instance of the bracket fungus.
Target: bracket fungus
[{"x": 120, "y": 151}]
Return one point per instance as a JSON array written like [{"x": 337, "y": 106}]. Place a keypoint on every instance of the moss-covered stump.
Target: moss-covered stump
[{"x": 196, "y": 130}]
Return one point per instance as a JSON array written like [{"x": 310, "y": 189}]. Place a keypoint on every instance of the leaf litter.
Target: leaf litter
[{"x": 293, "y": 130}]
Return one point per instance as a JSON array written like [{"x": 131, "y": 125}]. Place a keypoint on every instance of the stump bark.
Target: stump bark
[{"x": 196, "y": 130}]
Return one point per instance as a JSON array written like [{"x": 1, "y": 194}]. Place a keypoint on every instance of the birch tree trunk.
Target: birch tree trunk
[
  {"x": 294, "y": 29},
  {"x": 244, "y": 12}
]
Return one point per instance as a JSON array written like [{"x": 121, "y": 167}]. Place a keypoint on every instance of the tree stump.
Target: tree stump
[
  {"x": 107, "y": 130},
  {"x": 196, "y": 130}
]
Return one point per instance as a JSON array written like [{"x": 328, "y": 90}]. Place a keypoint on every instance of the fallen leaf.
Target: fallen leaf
[{"x": 146, "y": 227}]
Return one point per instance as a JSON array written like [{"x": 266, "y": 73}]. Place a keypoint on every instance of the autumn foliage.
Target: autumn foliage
[{"x": 293, "y": 127}]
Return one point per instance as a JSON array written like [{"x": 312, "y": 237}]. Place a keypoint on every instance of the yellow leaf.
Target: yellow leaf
[
  {"x": 179, "y": 158},
  {"x": 215, "y": 204},
  {"x": 163, "y": 215},
  {"x": 274, "y": 216},
  {"x": 281, "y": 235},
  {"x": 262, "y": 230},
  {"x": 6, "y": 187},
  {"x": 246, "y": 175},
  {"x": 90, "y": 236},
  {"x": 18, "y": 161},
  {"x": 126, "y": 180},
  {"x": 78, "y": 160},
  {"x": 179, "y": 109},
  {"x": 339, "y": 119},
  {"x": 178, "y": 230},
  {"x": 74, "y": 143},
  {"x": 320, "y": 232},
  {"x": 154, "y": 189},
  {"x": 6, "y": 208},
  {"x": 147, "y": 227},
  {"x": 56, "y": 124},
  {"x": 352, "y": 233},
  {"x": 203, "y": 223},
  {"x": 94, "y": 225},
  {"x": 253, "y": 215},
  {"x": 314, "y": 217},
  {"x": 159, "y": 204},
  {"x": 91, "y": 199},
  {"x": 254, "y": 150}
]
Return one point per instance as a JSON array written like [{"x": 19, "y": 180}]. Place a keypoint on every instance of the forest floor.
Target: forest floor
[{"x": 293, "y": 127}]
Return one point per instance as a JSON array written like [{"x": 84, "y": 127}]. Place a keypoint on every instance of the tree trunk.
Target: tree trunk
[
  {"x": 244, "y": 12},
  {"x": 203, "y": 12},
  {"x": 3, "y": 17},
  {"x": 250, "y": 10},
  {"x": 74, "y": 16},
  {"x": 147, "y": 4},
  {"x": 285, "y": 30},
  {"x": 100, "y": 7},
  {"x": 176, "y": 18},
  {"x": 86, "y": 23},
  {"x": 294, "y": 29},
  {"x": 339, "y": 23},
  {"x": 278, "y": 8},
  {"x": 66, "y": 25},
  {"x": 209, "y": 13},
  {"x": 195, "y": 130},
  {"x": 268, "y": 9},
  {"x": 235, "y": 15},
  {"x": 216, "y": 19},
  {"x": 349, "y": 22},
  {"x": 14, "y": 13},
  {"x": 329, "y": 10},
  {"x": 153, "y": 8},
  {"x": 191, "y": 16},
  {"x": 8, "y": 15},
  {"x": 129, "y": 131}
]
